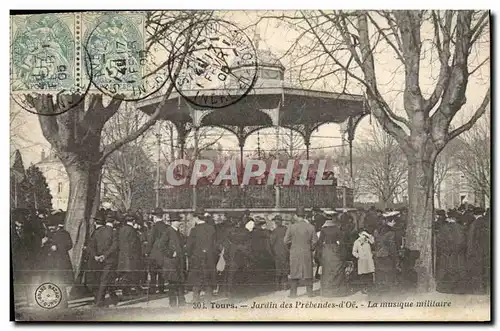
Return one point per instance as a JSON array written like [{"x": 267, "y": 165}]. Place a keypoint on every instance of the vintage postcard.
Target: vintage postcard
[{"x": 305, "y": 165}]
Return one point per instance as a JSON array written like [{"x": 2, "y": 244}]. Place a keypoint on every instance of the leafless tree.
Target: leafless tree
[
  {"x": 349, "y": 48},
  {"x": 126, "y": 167},
  {"x": 445, "y": 162},
  {"x": 77, "y": 135},
  {"x": 474, "y": 158},
  {"x": 383, "y": 166}
]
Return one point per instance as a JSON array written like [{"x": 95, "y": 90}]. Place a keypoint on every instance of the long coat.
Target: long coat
[
  {"x": 478, "y": 256},
  {"x": 332, "y": 254},
  {"x": 57, "y": 263},
  {"x": 386, "y": 259},
  {"x": 174, "y": 262},
  {"x": 280, "y": 251},
  {"x": 202, "y": 255},
  {"x": 450, "y": 258},
  {"x": 302, "y": 238},
  {"x": 103, "y": 241},
  {"x": 262, "y": 258},
  {"x": 129, "y": 250},
  {"x": 362, "y": 250},
  {"x": 158, "y": 240},
  {"x": 23, "y": 255}
]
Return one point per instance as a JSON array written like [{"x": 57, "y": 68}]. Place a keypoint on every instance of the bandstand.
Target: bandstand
[{"x": 270, "y": 103}]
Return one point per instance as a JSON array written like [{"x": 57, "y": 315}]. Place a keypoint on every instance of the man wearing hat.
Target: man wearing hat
[
  {"x": 237, "y": 256},
  {"x": 262, "y": 265},
  {"x": 25, "y": 246},
  {"x": 386, "y": 255},
  {"x": 478, "y": 253},
  {"x": 281, "y": 254},
  {"x": 174, "y": 267},
  {"x": 158, "y": 239},
  {"x": 318, "y": 218},
  {"x": 302, "y": 240},
  {"x": 130, "y": 264},
  {"x": 202, "y": 257},
  {"x": 450, "y": 255},
  {"x": 54, "y": 259},
  {"x": 103, "y": 258}
]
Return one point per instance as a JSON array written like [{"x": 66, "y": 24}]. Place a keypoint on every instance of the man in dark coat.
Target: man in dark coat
[
  {"x": 202, "y": 255},
  {"x": 478, "y": 253},
  {"x": 262, "y": 257},
  {"x": 174, "y": 266},
  {"x": 129, "y": 255},
  {"x": 450, "y": 259},
  {"x": 302, "y": 240},
  {"x": 318, "y": 219},
  {"x": 386, "y": 257},
  {"x": 158, "y": 240},
  {"x": 237, "y": 256},
  {"x": 26, "y": 242},
  {"x": 281, "y": 254},
  {"x": 55, "y": 257},
  {"x": 103, "y": 259}
]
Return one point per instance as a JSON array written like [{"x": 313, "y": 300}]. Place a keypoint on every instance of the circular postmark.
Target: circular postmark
[
  {"x": 121, "y": 64},
  {"x": 48, "y": 295},
  {"x": 46, "y": 59},
  {"x": 213, "y": 64}
]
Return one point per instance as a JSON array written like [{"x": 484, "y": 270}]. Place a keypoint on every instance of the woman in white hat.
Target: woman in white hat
[{"x": 362, "y": 250}]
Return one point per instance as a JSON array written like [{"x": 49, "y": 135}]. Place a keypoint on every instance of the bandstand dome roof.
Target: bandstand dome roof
[{"x": 295, "y": 106}]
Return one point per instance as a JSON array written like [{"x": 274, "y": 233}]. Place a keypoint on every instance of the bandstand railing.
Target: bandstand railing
[{"x": 261, "y": 197}]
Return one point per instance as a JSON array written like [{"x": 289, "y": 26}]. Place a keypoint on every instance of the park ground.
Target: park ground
[{"x": 274, "y": 306}]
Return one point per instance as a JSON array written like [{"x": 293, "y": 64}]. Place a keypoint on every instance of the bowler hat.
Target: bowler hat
[
  {"x": 100, "y": 217},
  {"x": 452, "y": 213},
  {"x": 199, "y": 212},
  {"x": 174, "y": 216},
  {"x": 56, "y": 219},
  {"x": 478, "y": 211},
  {"x": 129, "y": 216},
  {"x": 260, "y": 221},
  {"x": 300, "y": 211},
  {"x": 157, "y": 212}
]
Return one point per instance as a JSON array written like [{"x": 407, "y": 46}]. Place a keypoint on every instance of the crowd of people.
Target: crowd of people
[{"x": 238, "y": 254}]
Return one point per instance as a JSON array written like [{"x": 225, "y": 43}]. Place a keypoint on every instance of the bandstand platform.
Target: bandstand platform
[
  {"x": 256, "y": 198},
  {"x": 270, "y": 103}
]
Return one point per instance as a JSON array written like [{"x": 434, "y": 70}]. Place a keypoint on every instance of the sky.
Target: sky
[{"x": 277, "y": 38}]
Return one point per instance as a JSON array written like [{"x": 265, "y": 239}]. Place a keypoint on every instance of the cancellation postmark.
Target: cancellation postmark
[
  {"x": 121, "y": 63},
  {"x": 218, "y": 66},
  {"x": 47, "y": 58}
]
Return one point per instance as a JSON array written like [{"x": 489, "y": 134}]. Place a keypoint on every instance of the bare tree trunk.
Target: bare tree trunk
[
  {"x": 83, "y": 183},
  {"x": 421, "y": 208},
  {"x": 438, "y": 195}
]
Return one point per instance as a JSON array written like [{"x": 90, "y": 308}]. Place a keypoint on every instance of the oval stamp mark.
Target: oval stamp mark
[
  {"x": 46, "y": 58},
  {"x": 121, "y": 65},
  {"x": 48, "y": 295},
  {"x": 219, "y": 67}
]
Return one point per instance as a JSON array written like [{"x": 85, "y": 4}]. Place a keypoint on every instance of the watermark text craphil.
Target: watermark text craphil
[{"x": 183, "y": 172}]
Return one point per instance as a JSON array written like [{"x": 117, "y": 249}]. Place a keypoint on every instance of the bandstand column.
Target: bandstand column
[
  {"x": 197, "y": 115},
  {"x": 241, "y": 145},
  {"x": 195, "y": 133}
]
